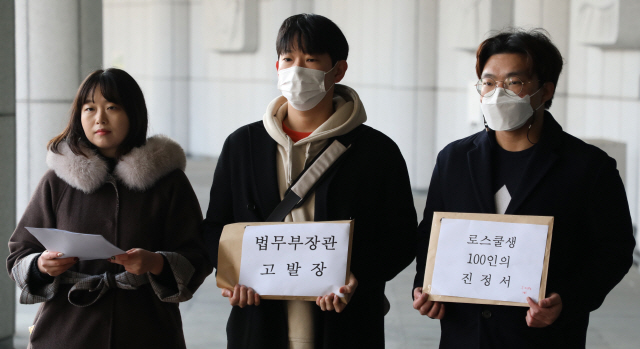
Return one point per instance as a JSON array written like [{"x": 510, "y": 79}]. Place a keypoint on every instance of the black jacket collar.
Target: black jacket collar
[{"x": 542, "y": 160}]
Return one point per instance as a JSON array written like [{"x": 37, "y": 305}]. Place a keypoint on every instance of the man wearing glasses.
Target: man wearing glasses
[{"x": 523, "y": 163}]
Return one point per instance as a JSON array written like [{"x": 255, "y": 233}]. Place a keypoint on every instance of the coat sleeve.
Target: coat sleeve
[
  {"x": 403, "y": 212},
  {"x": 610, "y": 241},
  {"x": 220, "y": 211},
  {"x": 385, "y": 221},
  {"x": 434, "y": 203},
  {"x": 183, "y": 246},
  {"x": 24, "y": 247}
]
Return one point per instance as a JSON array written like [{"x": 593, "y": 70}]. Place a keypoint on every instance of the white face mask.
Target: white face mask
[
  {"x": 302, "y": 87},
  {"x": 506, "y": 113}
]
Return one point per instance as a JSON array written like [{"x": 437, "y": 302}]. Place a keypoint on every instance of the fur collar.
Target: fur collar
[{"x": 139, "y": 169}]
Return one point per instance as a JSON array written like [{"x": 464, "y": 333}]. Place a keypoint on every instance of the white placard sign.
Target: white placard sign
[
  {"x": 295, "y": 259},
  {"x": 495, "y": 261}
]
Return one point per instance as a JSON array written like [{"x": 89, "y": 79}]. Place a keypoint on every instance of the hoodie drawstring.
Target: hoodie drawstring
[
  {"x": 306, "y": 153},
  {"x": 290, "y": 161},
  {"x": 289, "y": 171}
]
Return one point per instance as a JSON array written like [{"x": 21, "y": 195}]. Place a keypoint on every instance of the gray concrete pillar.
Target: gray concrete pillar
[
  {"x": 168, "y": 97},
  {"x": 7, "y": 165},
  {"x": 57, "y": 44},
  {"x": 552, "y": 16},
  {"x": 150, "y": 40}
]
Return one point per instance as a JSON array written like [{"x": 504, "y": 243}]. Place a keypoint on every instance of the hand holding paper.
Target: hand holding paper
[
  {"x": 50, "y": 263},
  {"x": 138, "y": 261}
]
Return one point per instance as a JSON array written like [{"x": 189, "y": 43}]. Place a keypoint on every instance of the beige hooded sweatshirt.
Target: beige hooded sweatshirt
[{"x": 348, "y": 114}]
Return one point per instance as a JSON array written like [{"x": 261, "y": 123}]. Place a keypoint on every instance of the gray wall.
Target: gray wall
[
  {"x": 7, "y": 166},
  {"x": 207, "y": 67},
  {"x": 57, "y": 44}
]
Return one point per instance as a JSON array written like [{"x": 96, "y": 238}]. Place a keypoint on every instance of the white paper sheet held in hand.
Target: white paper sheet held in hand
[
  {"x": 83, "y": 246},
  {"x": 295, "y": 259},
  {"x": 490, "y": 260}
]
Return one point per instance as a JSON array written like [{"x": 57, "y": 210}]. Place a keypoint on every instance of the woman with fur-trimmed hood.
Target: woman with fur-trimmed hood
[{"x": 106, "y": 178}]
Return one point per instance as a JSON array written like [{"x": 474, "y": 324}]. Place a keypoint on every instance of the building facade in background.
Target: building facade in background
[{"x": 207, "y": 67}]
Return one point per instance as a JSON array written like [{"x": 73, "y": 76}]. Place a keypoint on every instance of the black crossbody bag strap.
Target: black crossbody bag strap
[{"x": 312, "y": 175}]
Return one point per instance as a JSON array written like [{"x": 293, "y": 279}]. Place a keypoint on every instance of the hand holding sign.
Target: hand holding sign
[
  {"x": 241, "y": 296},
  {"x": 545, "y": 312},
  {"x": 299, "y": 261},
  {"x": 332, "y": 302},
  {"x": 421, "y": 303}
]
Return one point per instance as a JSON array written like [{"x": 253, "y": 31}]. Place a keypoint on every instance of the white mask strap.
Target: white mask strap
[
  {"x": 334, "y": 66},
  {"x": 541, "y": 104}
]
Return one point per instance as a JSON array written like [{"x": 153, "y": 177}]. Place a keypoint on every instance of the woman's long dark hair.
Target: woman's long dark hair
[{"x": 118, "y": 87}]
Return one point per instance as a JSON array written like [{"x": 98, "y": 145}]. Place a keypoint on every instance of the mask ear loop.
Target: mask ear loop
[
  {"x": 486, "y": 126},
  {"x": 327, "y": 89},
  {"x": 533, "y": 118},
  {"x": 528, "y": 133}
]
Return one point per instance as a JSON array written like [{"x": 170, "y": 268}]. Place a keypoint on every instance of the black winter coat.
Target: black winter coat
[
  {"x": 370, "y": 185},
  {"x": 592, "y": 243}
]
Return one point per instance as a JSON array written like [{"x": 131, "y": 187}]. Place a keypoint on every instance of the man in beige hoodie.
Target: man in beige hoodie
[{"x": 260, "y": 161}]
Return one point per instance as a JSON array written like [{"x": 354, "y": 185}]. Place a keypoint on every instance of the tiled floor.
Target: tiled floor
[{"x": 616, "y": 325}]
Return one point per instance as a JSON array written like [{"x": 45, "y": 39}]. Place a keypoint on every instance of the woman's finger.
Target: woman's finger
[
  {"x": 51, "y": 255},
  {"x": 58, "y": 262},
  {"x": 56, "y": 267},
  {"x": 67, "y": 262},
  {"x": 119, "y": 259}
]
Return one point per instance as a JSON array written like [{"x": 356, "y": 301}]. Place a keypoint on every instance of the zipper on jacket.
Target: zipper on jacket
[
  {"x": 112, "y": 181},
  {"x": 114, "y": 269}
]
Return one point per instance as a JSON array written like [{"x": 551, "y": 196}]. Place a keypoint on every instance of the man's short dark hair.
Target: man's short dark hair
[
  {"x": 312, "y": 34},
  {"x": 544, "y": 57}
]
